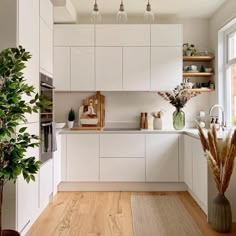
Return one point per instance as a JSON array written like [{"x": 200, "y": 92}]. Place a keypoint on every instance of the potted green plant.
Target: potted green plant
[
  {"x": 71, "y": 118},
  {"x": 15, "y": 141},
  {"x": 189, "y": 49}
]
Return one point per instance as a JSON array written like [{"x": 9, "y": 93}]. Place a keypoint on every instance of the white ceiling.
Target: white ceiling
[{"x": 181, "y": 8}]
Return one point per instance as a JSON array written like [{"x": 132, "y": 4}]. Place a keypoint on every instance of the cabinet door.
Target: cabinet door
[
  {"x": 62, "y": 68},
  {"x": 46, "y": 48},
  {"x": 166, "y": 35},
  {"x": 57, "y": 155},
  {"x": 82, "y": 69},
  {"x": 72, "y": 35},
  {"x": 136, "y": 68},
  {"x": 162, "y": 158},
  {"x": 120, "y": 169},
  {"x": 46, "y": 12},
  {"x": 188, "y": 161},
  {"x": 123, "y": 35},
  {"x": 109, "y": 68},
  {"x": 166, "y": 67},
  {"x": 26, "y": 210},
  {"x": 82, "y": 157},
  {"x": 200, "y": 178}
]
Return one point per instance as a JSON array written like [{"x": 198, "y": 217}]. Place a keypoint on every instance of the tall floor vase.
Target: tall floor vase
[{"x": 221, "y": 215}]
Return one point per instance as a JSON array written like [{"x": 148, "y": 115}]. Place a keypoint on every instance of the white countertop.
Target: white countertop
[{"x": 190, "y": 132}]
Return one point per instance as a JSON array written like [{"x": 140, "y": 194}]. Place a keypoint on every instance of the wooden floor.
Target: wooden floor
[{"x": 102, "y": 214}]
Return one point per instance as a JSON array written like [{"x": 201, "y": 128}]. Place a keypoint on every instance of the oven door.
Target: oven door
[{"x": 46, "y": 141}]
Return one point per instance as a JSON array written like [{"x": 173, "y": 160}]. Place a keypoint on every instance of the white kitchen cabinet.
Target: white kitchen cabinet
[
  {"x": 188, "y": 161},
  {"x": 122, "y": 145},
  {"x": 73, "y": 35},
  {"x": 46, "y": 12},
  {"x": 45, "y": 184},
  {"x": 109, "y": 68},
  {"x": 169, "y": 35},
  {"x": 62, "y": 68},
  {"x": 200, "y": 176},
  {"x": 166, "y": 67},
  {"x": 122, "y": 169},
  {"x": 82, "y": 157},
  {"x": 57, "y": 155},
  {"x": 136, "y": 68},
  {"x": 46, "y": 48},
  {"x": 123, "y": 35},
  {"x": 82, "y": 69},
  {"x": 162, "y": 158}
]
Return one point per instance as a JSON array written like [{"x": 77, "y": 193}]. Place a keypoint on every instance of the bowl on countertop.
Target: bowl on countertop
[{"x": 60, "y": 125}]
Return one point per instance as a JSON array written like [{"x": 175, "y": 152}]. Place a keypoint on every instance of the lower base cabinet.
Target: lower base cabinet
[
  {"x": 162, "y": 158},
  {"x": 122, "y": 169}
]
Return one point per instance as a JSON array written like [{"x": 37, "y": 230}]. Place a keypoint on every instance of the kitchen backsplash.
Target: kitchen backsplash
[{"x": 124, "y": 108}]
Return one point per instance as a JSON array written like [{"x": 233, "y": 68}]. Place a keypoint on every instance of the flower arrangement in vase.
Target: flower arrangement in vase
[
  {"x": 178, "y": 98},
  {"x": 220, "y": 156}
]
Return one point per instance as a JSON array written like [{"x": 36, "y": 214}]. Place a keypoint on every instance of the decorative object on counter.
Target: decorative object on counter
[
  {"x": 157, "y": 121},
  {"x": 148, "y": 14},
  {"x": 14, "y": 105},
  {"x": 71, "y": 118},
  {"x": 178, "y": 98},
  {"x": 142, "y": 120},
  {"x": 96, "y": 16},
  {"x": 201, "y": 119},
  {"x": 189, "y": 49},
  {"x": 146, "y": 120},
  {"x": 92, "y": 113},
  {"x": 121, "y": 16},
  {"x": 220, "y": 156}
]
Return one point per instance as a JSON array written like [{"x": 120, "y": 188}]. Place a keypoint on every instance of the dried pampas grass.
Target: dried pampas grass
[{"x": 220, "y": 156}]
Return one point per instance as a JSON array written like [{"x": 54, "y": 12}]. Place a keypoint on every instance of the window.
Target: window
[{"x": 230, "y": 75}]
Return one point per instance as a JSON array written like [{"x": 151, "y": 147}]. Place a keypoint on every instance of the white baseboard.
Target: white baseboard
[{"x": 121, "y": 186}]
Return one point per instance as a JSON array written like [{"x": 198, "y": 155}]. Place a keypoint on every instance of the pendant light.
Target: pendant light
[
  {"x": 121, "y": 15},
  {"x": 96, "y": 16},
  {"x": 148, "y": 14}
]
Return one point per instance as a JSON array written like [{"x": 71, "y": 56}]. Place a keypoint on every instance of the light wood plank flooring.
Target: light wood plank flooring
[{"x": 102, "y": 214}]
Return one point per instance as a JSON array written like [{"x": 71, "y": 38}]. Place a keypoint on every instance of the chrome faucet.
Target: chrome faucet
[{"x": 223, "y": 124}]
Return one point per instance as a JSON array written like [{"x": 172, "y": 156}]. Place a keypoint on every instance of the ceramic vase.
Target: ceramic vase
[
  {"x": 157, "y": 123},
  {"x": 70, "y": 124},
  {"x": 221, "y": 215}
]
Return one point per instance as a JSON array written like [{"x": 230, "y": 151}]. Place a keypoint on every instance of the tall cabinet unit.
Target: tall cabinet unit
[{"x": 22, "y": 17}]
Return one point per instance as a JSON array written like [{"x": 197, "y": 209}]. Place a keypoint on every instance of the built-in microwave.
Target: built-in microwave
[{"x": 46, "y": 119}]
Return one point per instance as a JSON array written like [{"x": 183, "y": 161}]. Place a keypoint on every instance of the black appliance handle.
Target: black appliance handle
[
  {"x": 47, "y": 85},
  {"x": 46, "y": 124}
]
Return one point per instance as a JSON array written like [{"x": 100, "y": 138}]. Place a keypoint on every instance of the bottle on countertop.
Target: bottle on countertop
[
  {"x": 142, "y": 120},
  {"x": 217, "y": 124},
  {"x": 212, "y": 123},
  {"x": 146, "y": 121}
]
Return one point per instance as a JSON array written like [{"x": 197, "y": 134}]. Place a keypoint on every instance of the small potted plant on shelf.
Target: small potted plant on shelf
[
  {"x": 15, "y": 141},
  {"x": 71, "y": 118},
  {"x": 220, "y": 156},
  {"x": 189, "y": 49}
]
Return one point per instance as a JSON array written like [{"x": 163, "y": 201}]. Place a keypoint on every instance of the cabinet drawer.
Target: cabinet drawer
[
  {"x": 122, "y": 145},
  {"x": 120, "y": 169}
]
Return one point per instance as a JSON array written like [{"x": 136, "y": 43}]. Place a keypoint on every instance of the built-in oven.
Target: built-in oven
[{"x": 46, "y": 119}]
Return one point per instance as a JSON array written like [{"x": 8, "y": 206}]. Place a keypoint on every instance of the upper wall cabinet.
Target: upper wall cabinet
[
  {"x": 62, "y": 68},
  {"x": 166, "y": 67},
  {"x": 165, "y": 35},
  {"x": 46, "y": 12},
  {"x": 136, "y": 68},
  {"x": 123, "y": 35},
  {"x": 82, "y": 69},
  {"x": 73, "y": 35}
]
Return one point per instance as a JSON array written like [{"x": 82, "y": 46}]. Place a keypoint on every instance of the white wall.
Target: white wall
[
  {"x": 125, "y": 107},
  {"x": 223, "y": 16}
]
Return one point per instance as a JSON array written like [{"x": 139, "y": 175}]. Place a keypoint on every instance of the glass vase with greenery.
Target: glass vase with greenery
[{"x": 17, "y": 98}]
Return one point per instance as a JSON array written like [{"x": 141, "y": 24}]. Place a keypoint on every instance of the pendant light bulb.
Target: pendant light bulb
[
  {"x": 121, "y": 16},
  {"x": 148, "y": 14},
  {"x": 96, "y": 16}
]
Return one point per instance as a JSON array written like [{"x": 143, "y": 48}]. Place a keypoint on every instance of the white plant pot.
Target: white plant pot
[
  {"x": 70, "y": 124},
  {"x": 157, "y": 123},
  {"x": 188, "y": 53}
]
